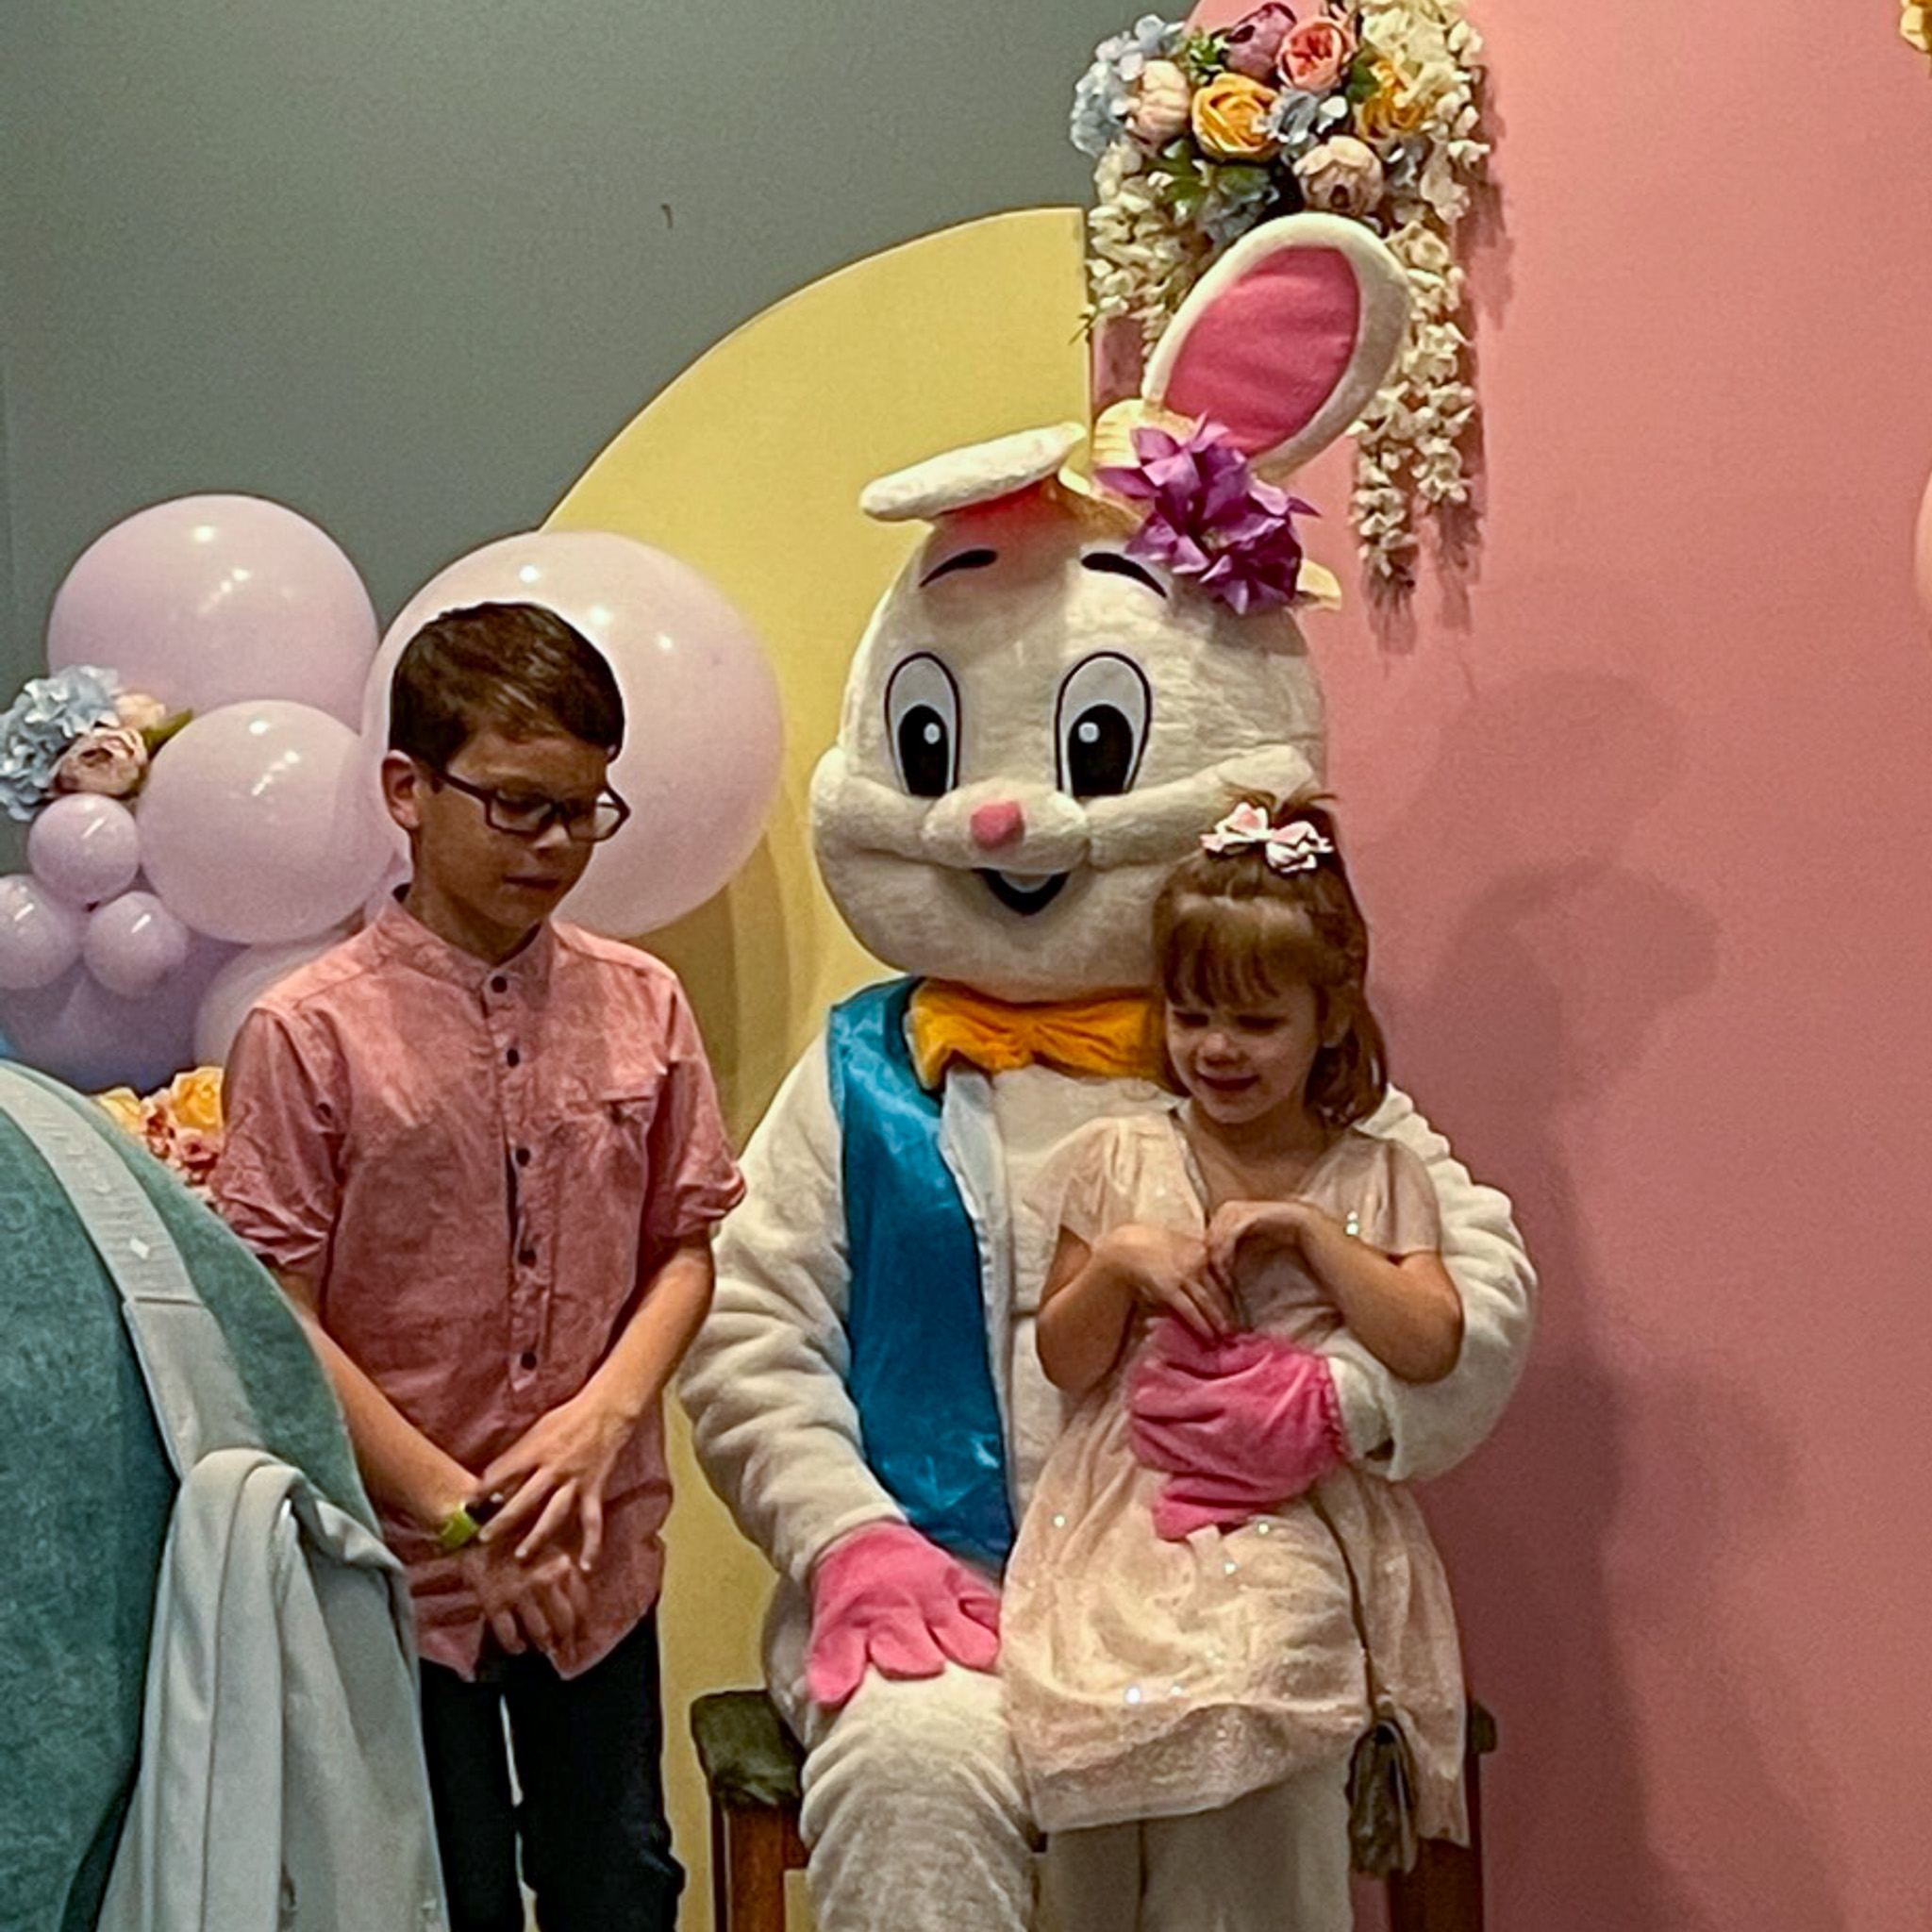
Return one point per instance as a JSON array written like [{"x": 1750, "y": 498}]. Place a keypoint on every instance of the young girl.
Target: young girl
[{"x": 1187, "y": 1662}]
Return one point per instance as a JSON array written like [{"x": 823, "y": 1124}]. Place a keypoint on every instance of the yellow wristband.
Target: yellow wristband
[{"x": 462, "y": 1528}]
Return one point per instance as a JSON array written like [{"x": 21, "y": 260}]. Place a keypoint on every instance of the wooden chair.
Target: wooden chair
[{"x": 750, "y": 1764}]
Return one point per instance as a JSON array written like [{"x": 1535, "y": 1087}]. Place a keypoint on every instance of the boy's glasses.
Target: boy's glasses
[{"x": 530, "y": 815}]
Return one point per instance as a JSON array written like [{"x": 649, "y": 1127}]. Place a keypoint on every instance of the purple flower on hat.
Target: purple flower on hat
[{"x": 1210, "y": 518}]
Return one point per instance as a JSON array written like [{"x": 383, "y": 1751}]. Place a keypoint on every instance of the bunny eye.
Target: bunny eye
[
  {"x": 1100, "y": 729},
  {"x": 923, "y": 722}
]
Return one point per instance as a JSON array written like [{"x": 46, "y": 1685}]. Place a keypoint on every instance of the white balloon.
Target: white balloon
[
  {"x": 207, "y": 601},
  {"x": 40, "y": 937},
  {"x": 241, "y": 983},
  {"x": 133, "y": 943},
  {"x": 704, "y": 736},
  {"x": 84, "y": 848},
  {"x": 257, "y": 824}
]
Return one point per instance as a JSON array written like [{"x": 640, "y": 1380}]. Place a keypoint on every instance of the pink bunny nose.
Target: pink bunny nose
[{"x": 997, "y": 824}]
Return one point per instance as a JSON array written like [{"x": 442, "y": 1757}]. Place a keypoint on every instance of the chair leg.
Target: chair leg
[
  {"x": 759, "y": 1846},
  {"x": 721, "y": 1870},
  {"x": 1444, "y": 1891}
]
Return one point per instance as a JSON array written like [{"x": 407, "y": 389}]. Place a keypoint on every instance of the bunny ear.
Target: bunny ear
[
  {"x": 984, "y": 472},
  {"x": 1286, "y": 338}
]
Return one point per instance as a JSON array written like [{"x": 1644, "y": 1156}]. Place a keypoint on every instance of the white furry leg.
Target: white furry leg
[{"x": 915, "y": 1811}]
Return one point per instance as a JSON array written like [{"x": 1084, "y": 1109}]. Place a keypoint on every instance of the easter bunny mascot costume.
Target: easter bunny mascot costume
[{"x": 1038, "y": 724}]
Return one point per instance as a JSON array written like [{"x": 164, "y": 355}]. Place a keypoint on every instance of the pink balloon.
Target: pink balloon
[
  {"x": 241, "y": 983},
  {"x": 79, "y": 1032},
  {"x": 704, "y": 736},
  {"x": 209, "y": 600},
  {"x": 1922, "y": 553},
  {"x": 133, "y": 943},
  {"x": 84, "y": 848},
  {"x": 40, "y": 935},
  {"x": 256, "y": 823}
]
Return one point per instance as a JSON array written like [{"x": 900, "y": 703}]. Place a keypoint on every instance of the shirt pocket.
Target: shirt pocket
[{"x": 603, "y": 1141}]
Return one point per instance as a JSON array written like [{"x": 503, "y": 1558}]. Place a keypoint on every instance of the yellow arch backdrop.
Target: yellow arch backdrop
[{"x": 748, "y": 468}]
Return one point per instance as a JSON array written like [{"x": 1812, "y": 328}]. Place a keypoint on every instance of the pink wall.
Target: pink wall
[{"x": 1650, "y": 841}]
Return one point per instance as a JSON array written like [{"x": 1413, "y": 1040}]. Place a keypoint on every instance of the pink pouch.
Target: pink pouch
[{"x": 1239, "y": 1425}]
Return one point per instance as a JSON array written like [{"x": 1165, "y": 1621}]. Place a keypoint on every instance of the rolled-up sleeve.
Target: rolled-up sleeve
[
  {"x": 694, "y": 1178},
  {"x": 279, "y": 1183}
]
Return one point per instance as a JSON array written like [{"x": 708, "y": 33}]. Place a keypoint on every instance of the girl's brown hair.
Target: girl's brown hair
[{"x": 1231, "y": 931}]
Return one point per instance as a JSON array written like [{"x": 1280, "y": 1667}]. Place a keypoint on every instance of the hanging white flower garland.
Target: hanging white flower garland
[{"x": 1365, "y": 109}]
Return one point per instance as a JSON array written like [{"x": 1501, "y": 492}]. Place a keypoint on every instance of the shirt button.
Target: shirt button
[
  {"x": 527, "y": 1259},
  {"x": 513, "y": 1058},
  {"x": 528, "y": 1358},
  {"x": 499, "y": 984},
  {"x": 522, "y": 1156}
]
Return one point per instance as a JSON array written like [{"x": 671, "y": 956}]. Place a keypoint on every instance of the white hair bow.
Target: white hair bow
[{"x": 1297, "y": 846}]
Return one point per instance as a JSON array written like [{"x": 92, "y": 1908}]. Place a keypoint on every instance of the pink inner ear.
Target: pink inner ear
[{"x": 1273, "y": 348}]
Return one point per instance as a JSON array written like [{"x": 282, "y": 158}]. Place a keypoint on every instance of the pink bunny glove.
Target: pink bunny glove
[
  {"x": 889, "y": 1600},
  {"x": 1240, "y": 1425}
]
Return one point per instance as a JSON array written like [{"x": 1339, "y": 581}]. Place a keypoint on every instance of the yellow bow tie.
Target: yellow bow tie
[{"x": 1116, "y": 1035}]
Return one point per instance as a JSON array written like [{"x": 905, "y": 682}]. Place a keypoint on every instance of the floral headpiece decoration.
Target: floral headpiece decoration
[
  {"x": 1367, "y": 109},
  {"x": 1296, "y": 845},
  {"x": 1210, "y": 518}
]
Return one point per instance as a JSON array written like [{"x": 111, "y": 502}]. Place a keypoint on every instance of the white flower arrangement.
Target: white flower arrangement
[{"x": 1364, "y": 107}]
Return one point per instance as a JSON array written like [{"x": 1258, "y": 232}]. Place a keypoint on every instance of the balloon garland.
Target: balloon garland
[{"x": 198, "y": 773}]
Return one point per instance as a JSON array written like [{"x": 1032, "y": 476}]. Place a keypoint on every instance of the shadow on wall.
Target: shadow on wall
[{"x": 1538, "y": 1007}]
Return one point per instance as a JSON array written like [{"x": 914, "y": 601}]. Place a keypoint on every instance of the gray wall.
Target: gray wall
[{"x": 406, "y": 265}]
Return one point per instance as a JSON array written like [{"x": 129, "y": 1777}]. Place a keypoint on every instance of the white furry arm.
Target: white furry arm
[
  {"x": 1403, "y": 1429},
  {"x": 765, "y": 1382}
]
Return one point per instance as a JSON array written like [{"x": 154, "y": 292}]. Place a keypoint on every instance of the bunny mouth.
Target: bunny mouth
[{"x": 1024, "y": 893}]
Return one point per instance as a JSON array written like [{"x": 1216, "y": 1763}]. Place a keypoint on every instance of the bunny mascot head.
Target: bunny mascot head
[
  {"x": 1071, "y": 679},
  {"x": 1040, "y": 719}
]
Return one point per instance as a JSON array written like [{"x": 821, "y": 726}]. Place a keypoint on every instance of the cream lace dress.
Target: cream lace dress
[{"x": 1147, "y": 1678}]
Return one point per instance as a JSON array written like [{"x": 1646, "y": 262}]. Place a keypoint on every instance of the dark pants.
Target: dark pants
[{"x": 596, "y": 1846}]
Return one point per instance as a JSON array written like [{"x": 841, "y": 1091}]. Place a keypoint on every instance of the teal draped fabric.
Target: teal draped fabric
[
  {"x": 89, "y": 1492},
  {"x": 920, "y": 1375}
]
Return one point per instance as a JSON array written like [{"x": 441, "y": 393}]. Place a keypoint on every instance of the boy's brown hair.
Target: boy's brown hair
[
  {"x": 1231, "y": 931},
  {"x": 518, "y": 667}
]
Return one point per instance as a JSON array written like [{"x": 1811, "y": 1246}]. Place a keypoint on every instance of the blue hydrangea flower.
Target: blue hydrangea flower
[
  {"x": 47, "y": 716},
  {"x": 1298, "y": 121},
  {"x": 1402, "y": 166},
  {"x": 1105, "y": 92},
  {"x": 1236, "y": 200}
]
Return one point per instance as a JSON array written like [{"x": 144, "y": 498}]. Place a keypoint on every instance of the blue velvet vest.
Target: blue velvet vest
[{"x": 920, "y": 1375}]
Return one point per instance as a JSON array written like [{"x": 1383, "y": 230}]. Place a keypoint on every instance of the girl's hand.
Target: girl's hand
[
  {"x": 1276, "y": 1223},
  {"x": 1169, "y": 1270}
]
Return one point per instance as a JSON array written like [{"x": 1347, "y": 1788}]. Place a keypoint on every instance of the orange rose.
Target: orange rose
[
  {"x": 1230, "y": 117},
  {"x": 123, "y": 1105},
  {"x": 194, "y": 1100},
  {"x": 1395, "y": 108}
]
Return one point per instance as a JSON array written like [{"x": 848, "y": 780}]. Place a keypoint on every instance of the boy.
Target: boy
[{"x": 483, "y": 1152}]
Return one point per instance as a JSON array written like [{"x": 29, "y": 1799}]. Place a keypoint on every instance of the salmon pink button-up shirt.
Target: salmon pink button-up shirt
[{"x": 479, "y": 1167}]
